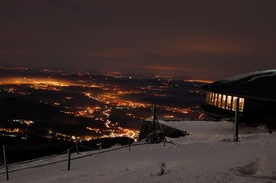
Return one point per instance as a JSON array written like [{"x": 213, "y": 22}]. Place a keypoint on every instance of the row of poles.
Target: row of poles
[
  {"x": 77, "y": 150},
  {"x": 69, "y": 152}
]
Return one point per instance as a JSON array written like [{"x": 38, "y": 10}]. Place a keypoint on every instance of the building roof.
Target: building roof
[{"x": 259, "y": 85}]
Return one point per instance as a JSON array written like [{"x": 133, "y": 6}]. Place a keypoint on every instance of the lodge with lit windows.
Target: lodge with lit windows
[
  {"x": 223, "y": 101},
  {"x": 255, "y": 93}
]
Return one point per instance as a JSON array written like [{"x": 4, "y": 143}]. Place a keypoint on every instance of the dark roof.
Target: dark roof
[{"x": 259, "y": 85}]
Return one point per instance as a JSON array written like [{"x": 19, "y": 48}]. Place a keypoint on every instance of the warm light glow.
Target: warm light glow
[
  {"x": 112, "y": 97},
  {"x": 224, "y": 101},
  {"x": 198, "y": 81}
]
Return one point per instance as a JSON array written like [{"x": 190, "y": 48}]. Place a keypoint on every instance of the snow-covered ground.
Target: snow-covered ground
[{"x": 208, "y": 154}]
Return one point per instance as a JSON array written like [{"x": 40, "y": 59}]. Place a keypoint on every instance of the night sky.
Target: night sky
[{"x": 196, "y": 39}]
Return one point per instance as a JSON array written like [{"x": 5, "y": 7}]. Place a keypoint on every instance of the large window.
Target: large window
[
  {"x": 219, "y": 100},
  {"x": 229, "y": 102},
  {"x": 216, "y": 99},
  {"x": 234, "y": 103},
  {"x": 241, "y": 104},
  {"x": 213, "y": 99},
  {"x": 224, "y": 101}
]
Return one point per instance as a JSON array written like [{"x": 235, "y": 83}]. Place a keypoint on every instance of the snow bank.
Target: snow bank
[{"x": 206, "y": 155}]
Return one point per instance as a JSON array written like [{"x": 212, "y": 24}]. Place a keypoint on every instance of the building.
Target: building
[{"x": 256, "y": 95}]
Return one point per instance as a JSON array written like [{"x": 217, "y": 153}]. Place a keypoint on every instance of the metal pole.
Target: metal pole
[
  {"x": 129, "y": 145},
  {"x": 236, "y": 138},
  {"x": 153, "y": 130},
  {"x": 5, "y": 162},
  {"x": 69, "y": 158}
]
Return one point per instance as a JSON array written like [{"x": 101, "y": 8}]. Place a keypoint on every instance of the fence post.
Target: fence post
[
  {"x": 77, "y": 147},
  {"x": 129, "y": 145},
  {"x": 99, "y": 146},
  {"x": 69, "y": 158},
  {"x": 5, "y": 162}
]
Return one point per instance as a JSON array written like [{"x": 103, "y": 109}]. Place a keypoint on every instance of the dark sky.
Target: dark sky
[{"x": 196, "y": 39}]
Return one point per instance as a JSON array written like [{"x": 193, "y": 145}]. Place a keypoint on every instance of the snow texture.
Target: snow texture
[
  {"x": 259, "y": 74},
  {"x": 207, "y": 154}
]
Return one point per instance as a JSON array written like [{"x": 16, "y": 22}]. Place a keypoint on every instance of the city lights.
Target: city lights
[{"x": 104, "y": 97}]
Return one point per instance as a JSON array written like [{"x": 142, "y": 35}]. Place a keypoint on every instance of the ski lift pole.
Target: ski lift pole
[{"x": 236, "y": 137}]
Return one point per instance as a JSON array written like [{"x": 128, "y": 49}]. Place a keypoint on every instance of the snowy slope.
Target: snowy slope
[{"x": 208, "y": 154}]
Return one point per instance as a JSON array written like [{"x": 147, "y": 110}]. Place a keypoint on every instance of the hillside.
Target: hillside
[
  {"x": 44, "y": 116},
  {"x": 208, "y": 154}
]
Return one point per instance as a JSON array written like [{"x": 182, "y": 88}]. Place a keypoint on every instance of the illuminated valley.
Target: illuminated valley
[{"x": 112, "y": 104}]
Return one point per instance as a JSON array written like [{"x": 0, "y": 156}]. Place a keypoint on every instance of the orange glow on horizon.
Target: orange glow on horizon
[
  {"x": 199, "y": 81},
  {"x": 164, "y": 68}
]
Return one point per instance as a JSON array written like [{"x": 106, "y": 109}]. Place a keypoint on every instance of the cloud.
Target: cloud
[{"x": 179, "y": 36}]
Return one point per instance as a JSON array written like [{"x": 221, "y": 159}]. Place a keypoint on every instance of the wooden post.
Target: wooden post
[
  {"x": 236, "y": 138},
  {"x": 77, "y": 147},
  {"x": 5, "y": 162},
  {"x": 153, "y": 128},
  {"x": 69, "y": 158},
  {"x": 129, "y": 145}
]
